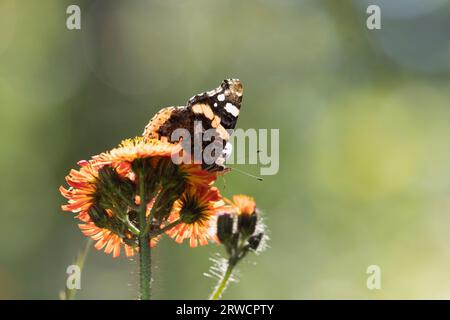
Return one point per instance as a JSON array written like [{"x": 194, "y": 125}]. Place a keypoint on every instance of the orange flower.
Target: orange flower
[
  {"x": 242, "y": 204},
  {"x": 197, "y": 209},
  {"x": 132, "y": 149},
  {"x": 81, "y": 197},
  {"x": 138, "y": 148},
  {"x": 105, "y": 212},
  {"x": 82, "y": 191}
]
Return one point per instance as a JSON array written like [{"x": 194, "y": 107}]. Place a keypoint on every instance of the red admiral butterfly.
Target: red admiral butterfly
[{"x": 217, "y": 109}]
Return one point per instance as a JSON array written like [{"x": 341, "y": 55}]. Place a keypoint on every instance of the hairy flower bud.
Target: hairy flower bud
[
  {"x": 255, "y": 240},
  {"x": 247, "y": 224},
  {"x": 225, "y": 228},
  {"x": 240, "y": 230}
]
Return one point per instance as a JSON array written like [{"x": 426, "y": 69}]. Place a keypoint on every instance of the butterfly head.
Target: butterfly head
[{"x": 232, "y": 89}]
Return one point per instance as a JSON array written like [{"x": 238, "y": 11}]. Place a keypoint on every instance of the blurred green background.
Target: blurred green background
[{"x": 364, "y": 119}]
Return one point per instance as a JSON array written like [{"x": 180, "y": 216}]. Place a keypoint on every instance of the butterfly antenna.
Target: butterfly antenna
[{"x": 247, "y": 174}]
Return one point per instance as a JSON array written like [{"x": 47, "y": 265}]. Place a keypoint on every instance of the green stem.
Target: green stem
[
  {"x": 144, "y": 246},
  {"x": 124, "y": 218},
  {"x": 81, "y": 258},
  {"x": 223, "y": 282},
  {"x": 131, "y": 226},
  {"x": 146, "y": 229},
  {"x": 145, "y": 267}
]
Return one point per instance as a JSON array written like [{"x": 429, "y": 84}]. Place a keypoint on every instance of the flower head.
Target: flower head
[
  {"x": 84, "y": 197},
  {"x": 242, "y": 204},
  {"x": 196, "y": 212},
  {"x": 107, "y": 191},
  {"x": 132, "y": 149},
  {"x": 159, "y": 153},
  {"x": 240, "y": 229}
]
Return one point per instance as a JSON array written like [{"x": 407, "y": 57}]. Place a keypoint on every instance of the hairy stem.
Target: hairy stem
[
  {"x": 144, "y": 246},
  {"x": 145, "y": 267},
  {"x": 223, "y": 283}
]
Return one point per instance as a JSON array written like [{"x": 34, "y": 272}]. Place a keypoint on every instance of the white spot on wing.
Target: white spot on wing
[
  {"x": 221, "y": 97},
  {"x": 231, "y": 108},
  {"x": 226, "y": 152}
]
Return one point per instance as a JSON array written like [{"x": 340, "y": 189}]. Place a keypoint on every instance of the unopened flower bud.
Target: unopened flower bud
[
  {"x": 224, "y": 227},
  {"x": 247, "y": 224},
  {"x": 255, "y": 240}
]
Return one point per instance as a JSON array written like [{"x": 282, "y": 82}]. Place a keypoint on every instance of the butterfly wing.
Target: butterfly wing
[
  {"x": 224, "y": 103},
  {"x": 162, "y": 125},
  {"x": 219, "y": 109}
]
